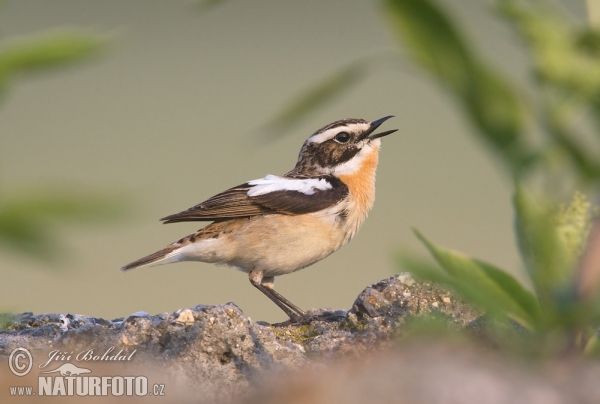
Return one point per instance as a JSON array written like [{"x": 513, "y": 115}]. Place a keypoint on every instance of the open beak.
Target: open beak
[{"x": 376, "y": 124}]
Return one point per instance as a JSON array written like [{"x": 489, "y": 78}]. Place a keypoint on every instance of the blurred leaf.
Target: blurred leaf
[
  {"x": 45, "y": 50},
  {"x": 550, "y": 263},
  {"x": 592, "y": 346},
  {"x": 489, "y": 101},
  {"x": 470, "y": 292},
  {"x": 317, "y": 96},
  {"x": 560, "y": 122},
  {"x": 486, "y": 286},
  {"x": 28, "y": 222},
  {"x": 573, "y": 222},
  {"x": 497, "y": 113},
  {"x": 565, "y": 55},
  {"x": 433, "y": 41},
  {"x": 566, "y": 59}
]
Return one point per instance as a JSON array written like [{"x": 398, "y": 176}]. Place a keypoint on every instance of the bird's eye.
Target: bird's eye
[{"x": 342, "y": 137}]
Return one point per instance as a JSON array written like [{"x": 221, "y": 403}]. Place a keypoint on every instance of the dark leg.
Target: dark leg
[
  {"x": 268, "y": 283},
  {"x": 265, "y": 285}
]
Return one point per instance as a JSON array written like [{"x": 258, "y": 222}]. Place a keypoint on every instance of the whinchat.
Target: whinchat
[{"x": 279, "y": 224}]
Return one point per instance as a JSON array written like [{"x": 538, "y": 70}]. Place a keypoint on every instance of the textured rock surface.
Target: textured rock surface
[
  {"x": 433, "y": 371},
  {"x": 212, "y": 354},
  {"x": 218, "y": 347}
]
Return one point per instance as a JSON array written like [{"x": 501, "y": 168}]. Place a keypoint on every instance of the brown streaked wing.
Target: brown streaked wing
[
  {"x": 235, "y": 203},
  {"x": 229, "y": 204}
]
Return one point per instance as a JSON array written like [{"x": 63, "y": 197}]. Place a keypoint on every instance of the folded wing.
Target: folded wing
[{"x": 268, "y": 195}]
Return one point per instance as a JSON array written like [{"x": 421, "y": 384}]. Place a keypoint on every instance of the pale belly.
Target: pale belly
[
  {"x": 279, "y": 245},
  {"x": 276, "y": 244}
]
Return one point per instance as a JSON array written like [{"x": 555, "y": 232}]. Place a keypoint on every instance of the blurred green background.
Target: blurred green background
[{"x": 174, "y": 111}]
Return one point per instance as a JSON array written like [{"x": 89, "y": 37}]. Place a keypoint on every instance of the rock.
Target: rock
[
  {"x": 425, "y": 370},
  {"x": 214, "y": 349},
  {"x": 215, "y": 354}
]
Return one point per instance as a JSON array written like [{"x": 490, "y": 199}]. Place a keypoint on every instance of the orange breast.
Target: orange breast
[{"x": 361, "y": 183}]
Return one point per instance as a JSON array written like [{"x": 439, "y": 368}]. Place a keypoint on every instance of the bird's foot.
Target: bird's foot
[
  {"x": 307, "y": 318},
  {"x": 295, "y": 320}
]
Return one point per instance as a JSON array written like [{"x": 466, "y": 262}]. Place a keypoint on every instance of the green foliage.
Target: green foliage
[
  {"x": 486, "y": 97},
  {"x": 563, "y": 310},
  {"x": 574, "y": 222},
  {"x": 28, "y": 222},
  {"x": 565, "y": 56},
  {"x": 546, "y": 256},
  {"x": 556, "y": 315},
  {"x": 43, "y": 51},
  {"x": 550, "y": 238},
  {"x": 565, "y": 62},
  {"x": 493, "y": 289}
]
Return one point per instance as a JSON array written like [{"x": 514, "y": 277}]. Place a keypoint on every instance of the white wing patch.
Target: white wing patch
[{"x": 273, "y": 183}]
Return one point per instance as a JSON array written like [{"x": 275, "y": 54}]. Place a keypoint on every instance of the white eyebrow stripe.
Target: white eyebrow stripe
[
  {"x": 273, "y": 183},
  {"x": 330, "y": 133}
]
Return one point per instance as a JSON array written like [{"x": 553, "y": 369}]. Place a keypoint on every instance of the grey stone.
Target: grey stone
[{"x": 216, "y": 353}]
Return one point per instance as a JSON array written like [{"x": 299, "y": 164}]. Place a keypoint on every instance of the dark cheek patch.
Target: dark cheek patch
[
  {"x": 347, "y": 154},
  {"x": 327, "y": 154},
  {"x": 333, "y": 154}
]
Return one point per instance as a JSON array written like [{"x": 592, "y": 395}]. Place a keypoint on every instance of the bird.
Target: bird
[{"x": 277, "y": 225}]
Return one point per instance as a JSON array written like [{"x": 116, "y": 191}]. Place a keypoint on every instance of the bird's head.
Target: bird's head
[{"x": 340, "y": 147}]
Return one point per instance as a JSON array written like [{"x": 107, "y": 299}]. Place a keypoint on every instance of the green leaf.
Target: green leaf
[
  {"x": 46, "y": 50},
  {"x": 565, "y": 59},
  {"x": 497, "y": 113},
  {"x": 316, "y": 97},
  {"x": 29, "y": 222},
  {"x": 433, "y": 41},
  {"x": 549, "y": 262},
  {"x": 488, "y": 286},
  {"x": 592, "y": 346},
  {"x": 470, "y": 292},
  {"x": 565, "y": 56},
  {"x": 489, "y": 101}
]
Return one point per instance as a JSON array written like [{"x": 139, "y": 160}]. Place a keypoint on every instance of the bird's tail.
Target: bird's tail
[{"x": 164, "y": 256}]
